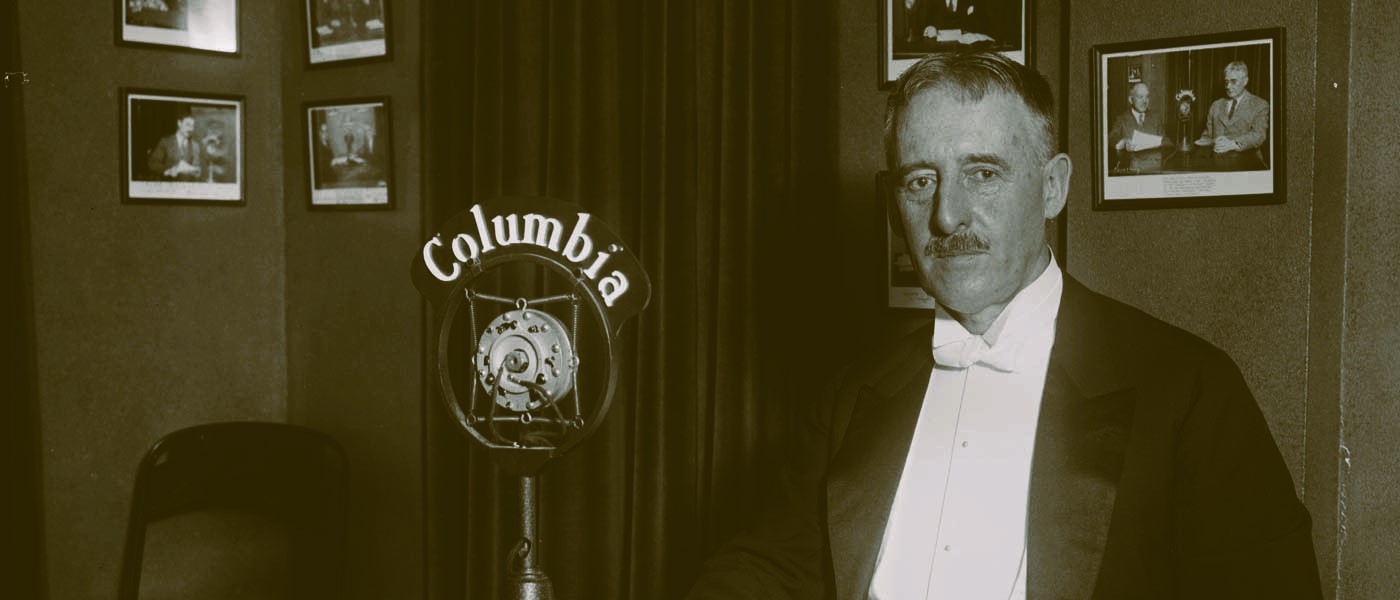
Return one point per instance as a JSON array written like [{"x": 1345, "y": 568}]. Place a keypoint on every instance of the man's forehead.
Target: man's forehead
[
  {"x": 997, "y": 124},
  {"x": 956, "y": 103}
]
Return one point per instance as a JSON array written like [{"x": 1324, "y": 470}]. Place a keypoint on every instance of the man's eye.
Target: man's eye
[
  {"x": 920, "y": 183},
  {"x": 983, "y": 175}
]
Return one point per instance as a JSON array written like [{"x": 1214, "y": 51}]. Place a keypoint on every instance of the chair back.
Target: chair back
[{"x": 289, "y": 476}]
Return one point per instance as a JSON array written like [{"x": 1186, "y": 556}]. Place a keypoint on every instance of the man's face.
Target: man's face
[
  {"x": 1235, "y": 82},
  {"x": 1139, "y": 98},
  {"x": 186, "y": 125},
  {"x": 973, "y": 196}
]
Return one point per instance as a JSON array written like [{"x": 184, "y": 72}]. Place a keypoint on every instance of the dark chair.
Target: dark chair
[{"x": 255, "y": 477}]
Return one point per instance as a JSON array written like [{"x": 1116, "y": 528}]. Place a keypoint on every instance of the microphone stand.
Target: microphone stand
[{"x": 529, "y": 582}]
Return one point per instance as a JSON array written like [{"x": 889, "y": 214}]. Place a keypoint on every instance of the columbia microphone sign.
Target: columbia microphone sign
[{"x": 550, "y": 229}]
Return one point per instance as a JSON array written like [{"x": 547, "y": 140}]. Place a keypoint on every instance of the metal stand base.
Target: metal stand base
[{"x": 529, "y": 587}]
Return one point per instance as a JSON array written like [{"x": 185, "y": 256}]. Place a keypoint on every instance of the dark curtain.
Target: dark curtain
[
  {"x": 703, "y": 132},
  {"x": 21, "y": 520}
]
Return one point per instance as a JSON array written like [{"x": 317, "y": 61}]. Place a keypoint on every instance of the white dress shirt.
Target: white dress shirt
[{"x": 957, "y": 527}]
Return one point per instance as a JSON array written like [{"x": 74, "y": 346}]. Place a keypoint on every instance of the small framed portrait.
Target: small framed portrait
[
  {"x": 1201, "y": 125},
  {"x": 339, "y": 31},
  {"x": 901, "y": 274},
  {"x": 181, "y": 147},
  {"x": 201, "y": 25},
  {"x": 349, "y": 154},
  {"x": 913, "y": 29}
]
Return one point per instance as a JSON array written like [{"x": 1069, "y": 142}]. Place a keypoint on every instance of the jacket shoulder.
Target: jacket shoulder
[{"x": 1097, "y": 333}]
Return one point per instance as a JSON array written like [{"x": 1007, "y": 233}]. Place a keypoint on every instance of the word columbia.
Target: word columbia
[{"x": 534, "y": 229}]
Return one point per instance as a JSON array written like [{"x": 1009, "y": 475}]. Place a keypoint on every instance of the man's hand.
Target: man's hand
[
  {"x": 930, "y": 32},
  {"x": 181, "y": 168},
  {"x": 1224, "y": 144}
]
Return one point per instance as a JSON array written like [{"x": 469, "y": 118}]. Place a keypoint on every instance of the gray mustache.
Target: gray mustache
[{"x": 953, "y": 245}]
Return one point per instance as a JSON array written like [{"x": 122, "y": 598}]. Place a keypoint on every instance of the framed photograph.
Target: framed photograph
[
  {"x": 349, "y": 157},
  {"x": 913, "y": 29},
  {"x": 1187, "y": 122},
  {"x": 202, "y": 25},
  {"x": 901, "y": 275},
  {"x": 339, "y": 31},
  {"x": 181, "y": 147}
]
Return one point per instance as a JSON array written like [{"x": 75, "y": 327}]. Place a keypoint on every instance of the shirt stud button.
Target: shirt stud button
[
  {"x": 964, "y": 444},
  {"x": 947, "y": 548}
]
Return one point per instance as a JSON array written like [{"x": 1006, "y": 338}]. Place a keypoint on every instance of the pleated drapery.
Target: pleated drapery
[{"x": 702, "y": 132}]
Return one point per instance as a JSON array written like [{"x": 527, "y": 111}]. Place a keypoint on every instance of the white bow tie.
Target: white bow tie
[{"x": 964, "y": 353}]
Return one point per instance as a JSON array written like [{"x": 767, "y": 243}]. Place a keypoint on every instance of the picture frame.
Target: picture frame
[
  {"x": 349, "y": 152},
  {"x": 901, "y": 275},
  {"x": 346, "y": 31},
  {"x": 1192, "y": 146},
  {"x": 182, "y": 147},
  {"x": 913, "y": 29},
  {"x": 195, "y": 25}
]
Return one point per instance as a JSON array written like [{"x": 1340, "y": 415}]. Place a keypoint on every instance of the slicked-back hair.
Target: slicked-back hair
[
  {"x": 1238, "y": 66},
  {"x": 976, "y": 74}
]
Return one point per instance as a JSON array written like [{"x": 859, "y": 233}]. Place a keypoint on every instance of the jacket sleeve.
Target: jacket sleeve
[
  {"x": 784, "y": 554},
  {"x": 1239, "y": 530},
  {"x": 158, "y": 160},
  {"x": 1116, "y": 133},
  {"x": 1258, "y": 127}
]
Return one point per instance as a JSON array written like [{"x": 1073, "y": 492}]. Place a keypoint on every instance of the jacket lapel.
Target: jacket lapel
[
  {"x": 1085, "y": 418},
  {"x": 864, "y": 473}
]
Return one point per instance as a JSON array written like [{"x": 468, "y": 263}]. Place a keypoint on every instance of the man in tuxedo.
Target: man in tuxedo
[
  {"x": 1240, "y": 120},
  {"x": 1138, "y": 117},
  {"x": 177, "y": 156},
  {"x": 1036, "y": 439}
]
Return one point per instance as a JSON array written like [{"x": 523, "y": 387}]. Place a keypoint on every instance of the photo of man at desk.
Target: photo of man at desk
[
  {"x": 1239, "y": 121},
  {"x": 178, "y": 156},
  {"x": 925, "y": 26},
  {"x": 1234, "y": 133}
]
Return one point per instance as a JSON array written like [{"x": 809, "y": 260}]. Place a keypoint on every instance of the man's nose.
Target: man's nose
[{"x": 949, "y": 209}]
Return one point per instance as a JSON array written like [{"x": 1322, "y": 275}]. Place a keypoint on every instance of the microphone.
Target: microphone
[{"x": 524, "y": 403}]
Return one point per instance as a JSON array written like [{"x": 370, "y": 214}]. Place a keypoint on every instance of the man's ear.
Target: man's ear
[{"x": 1055, "y": 189}]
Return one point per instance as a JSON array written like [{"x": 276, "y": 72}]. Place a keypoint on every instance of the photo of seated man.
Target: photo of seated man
[
  {"x": 1139, "y": 127},
  {"x": 178, "y": 156},
  {"x": 341, "y": 21},
  {"x": 347, "y": 151},
  {"x": 1239, "y": 121},
  {"x": 922, "y": 26},
  {"x": 164, "y": 14}
]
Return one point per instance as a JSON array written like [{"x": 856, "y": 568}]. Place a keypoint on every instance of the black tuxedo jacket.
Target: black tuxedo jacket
[{"x": 1154, "y": 475}]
